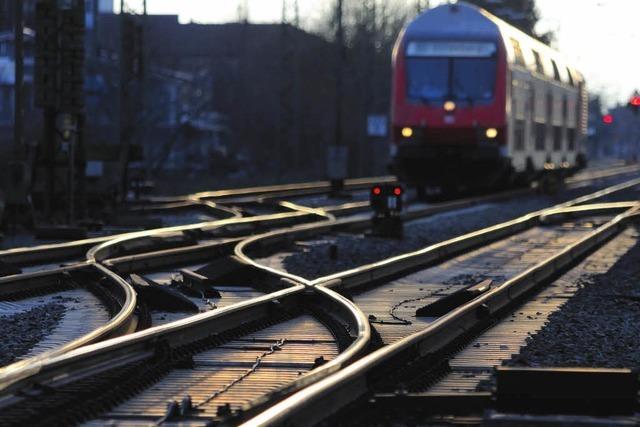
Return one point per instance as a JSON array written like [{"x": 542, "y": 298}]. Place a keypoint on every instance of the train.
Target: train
[{"x": 478, "y": 103}]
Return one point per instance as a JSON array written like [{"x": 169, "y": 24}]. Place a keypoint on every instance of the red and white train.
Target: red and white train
[{"x": 478, "y": 102}]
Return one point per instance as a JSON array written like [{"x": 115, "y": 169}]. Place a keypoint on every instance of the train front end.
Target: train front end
[{"x": 449, "y": 98}]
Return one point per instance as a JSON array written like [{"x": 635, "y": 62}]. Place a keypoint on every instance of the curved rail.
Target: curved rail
[
  {"x": 93, "y": 359},
  {"x": 222, "y": 212},
  {"x": 429, "y": 254},
  {"x": 122, "y": 323},
  {"x": 326, "y": 397},
  {"x": 137, "y": 345},
  {"x": 108, "y": 248}
]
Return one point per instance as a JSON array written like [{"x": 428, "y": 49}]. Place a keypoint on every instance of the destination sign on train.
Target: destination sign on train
[{"x": 449, "y": 49}]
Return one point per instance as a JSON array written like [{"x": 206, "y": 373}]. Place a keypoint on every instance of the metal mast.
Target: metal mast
[
  {"x": 287, "y": 144},
  {"x": 337, "y": 159},
  {"x": 18, "y": 125}
]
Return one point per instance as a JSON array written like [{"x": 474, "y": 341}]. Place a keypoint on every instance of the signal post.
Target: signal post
[{"x": 59, "y": 87}]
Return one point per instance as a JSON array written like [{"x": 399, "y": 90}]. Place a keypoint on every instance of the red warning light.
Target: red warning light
[
  {"x": 607, "y": 119},
  {"x": 376, "y": 191},
  {"x": 397, "y": 191}
]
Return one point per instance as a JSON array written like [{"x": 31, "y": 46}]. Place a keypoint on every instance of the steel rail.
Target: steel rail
[
  {"x": 362, "y": 338},
  {"x": 108, "y": 247},
  {"x": 223, "y": 212},
  {"x": 90, "y": 360},
  {"x": 67, "y": 250},
  {"x": 327, "y": 396},
  {"x": 426, "y": 255},
  {"x": 122, "y": 323},
  {"x": 361, "y": 341},
  {"x": 606, "y": 173},
  {"x": 362, "y": 183},
  {"x": 341, "y": 276},
  {"x": 175, "y": 256},
  {"x": 296, "y": 278},
  {"x": 293, "y": 189},
  {"x": 58, "y": 251},
  {"x": 56, "y": 370}
]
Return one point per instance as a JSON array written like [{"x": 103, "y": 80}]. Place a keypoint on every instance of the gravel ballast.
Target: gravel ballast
[
  {"x": 22, "y": 331},
  {"x": 598, "y": 327}
]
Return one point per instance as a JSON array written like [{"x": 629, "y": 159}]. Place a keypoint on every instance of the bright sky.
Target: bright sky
[{"x": 600, "y": 36}]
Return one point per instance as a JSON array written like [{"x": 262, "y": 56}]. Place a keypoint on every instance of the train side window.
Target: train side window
[
  {"x": 556, "y": 72},
  {"x": 571, "y": 139},
  {"x": 541, "y": 136},
  {"x": 518, "y": 52},
  {"x": 539, "y": 67},
  {"x": 519, "y": 132},
  {"x": 557, "y": 138}
]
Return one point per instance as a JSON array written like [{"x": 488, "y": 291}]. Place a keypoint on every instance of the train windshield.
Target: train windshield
[{"x": 466, "y": 73}]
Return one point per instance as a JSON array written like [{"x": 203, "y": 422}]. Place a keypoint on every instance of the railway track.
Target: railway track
[
  {"x": 203, "y": 338},
  {"x": 424, "y": 351},
  {"x": 51, "y": 313},
  {"x": 270, "y": 192},
  {"x": 267, "y": 251},
  {"x": 255, "y": 352},
  {"x": 51, "y": 256}
]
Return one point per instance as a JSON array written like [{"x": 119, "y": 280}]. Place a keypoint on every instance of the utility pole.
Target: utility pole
[
  {"x": 18, "y": 124},
  {"x": 287, "y": 145},
  {"x": 367, "y": 144},
  {"x": 337, "y": 158},
  {"x": 130, "y": 102},
  {"x": 122, "y": 110},
  {"x": 339, "y": 71}
]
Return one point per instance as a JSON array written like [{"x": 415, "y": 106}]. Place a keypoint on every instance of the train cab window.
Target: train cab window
[
  {"x": 556, "y": 72},
  {"x": 539, "y": 67},
  {"x": 541, "y": 136},
  {"x": 571, "y": 139},
  {"x": 517, "y": 51},
  {"x": 557, "y": 138},
  {"x": 428, "y": 79},
  {"x": 461, "y": 71}
]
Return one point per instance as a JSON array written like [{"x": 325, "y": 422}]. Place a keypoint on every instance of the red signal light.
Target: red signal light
[
  {"x": 635, "y": 101},
  {"x": 376, "y": 191},
  {"x": 607, "y": 119},
  {"x": 397, "y": 191}
]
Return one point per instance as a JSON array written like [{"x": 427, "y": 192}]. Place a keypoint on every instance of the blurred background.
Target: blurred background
[{"x": 174, "y": 97}]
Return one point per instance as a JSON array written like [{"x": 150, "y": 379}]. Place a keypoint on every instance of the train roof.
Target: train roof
[{"x": 463, "y": 21}]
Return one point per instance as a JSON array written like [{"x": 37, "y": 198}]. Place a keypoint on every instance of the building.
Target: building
[{"x": 251, "y": 75}]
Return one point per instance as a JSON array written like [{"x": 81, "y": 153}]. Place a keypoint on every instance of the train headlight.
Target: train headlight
[
  {"x": 491, "y": 133},
  {"x": 449, "y": 106},
  {"x": 407, "y": 132}
]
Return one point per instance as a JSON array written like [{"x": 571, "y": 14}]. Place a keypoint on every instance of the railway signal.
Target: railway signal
[
  {"x": 607, "y": 119},
  {"x": 387, "y": 203}
]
